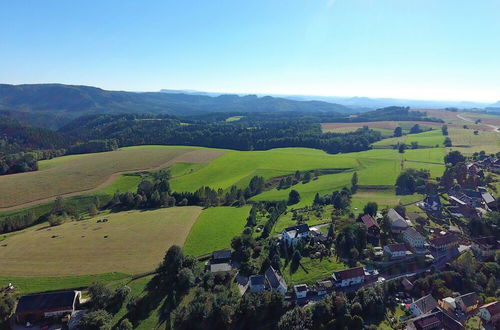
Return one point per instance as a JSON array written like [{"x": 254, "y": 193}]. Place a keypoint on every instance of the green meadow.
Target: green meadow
[
  {"x": 215, "y": 228},
  {"x": 430, "y": 139}
]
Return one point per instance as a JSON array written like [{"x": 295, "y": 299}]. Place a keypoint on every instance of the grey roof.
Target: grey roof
[
  {"x": 410, "y": 232},
  {"x": 274, "y": 279},
  {"x": 296, "y": 230},
  {"x": 50, "y": 301},
  {"x": 221, "y": 267},
  {"x": 396, "y": 219},
  {"x": 426, "y": 304},
  {"x": 469, "y": 299},
  {"x": 257, "y": 280},
  {"x": 487, "y": 198},
  {"x": 221, "y": 254}
]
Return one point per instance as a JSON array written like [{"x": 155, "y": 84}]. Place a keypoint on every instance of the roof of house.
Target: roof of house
[
  {"x": 448, "y": 238},
  {"x": 396, "y": 219},
  {"x": 257, "y": 280},
  {"x": 349, "y": 273},
  {"x": 487, "y": 197},
  {"x": 294, "y": 231},
  {"x": 426, "y": 304},
  {"x": 396, "y": 247},
  {"x": 469, "y": 299},
  {"x": 426, "y": 321},
  {"x": 221, "y": 254},
  {"x": 369, "y": 221},
  {"x": 493, "y": 307},
  {"x": 274, "y": 279},
  {"x": 326, "y": 284},
  {"x": 300, "y": 287},
  {"x": 413, "y": 234},
  {"x": 431, "y": 199},
  {"x": 50, "y": 301},
  {"x": 220, "y": 267}
]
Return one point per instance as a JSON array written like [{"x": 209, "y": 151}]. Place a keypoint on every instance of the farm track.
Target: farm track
[{"x": 195, "y": 156}]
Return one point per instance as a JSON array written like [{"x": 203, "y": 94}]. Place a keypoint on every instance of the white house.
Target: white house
[
  {"x": 257, "y": 283},
  {"x": 348, "y": 277},
  {"x": 423, "y": 305},
  {"x": 275, "y": 281},
  {"x": 294, "y": 234},
  {"x": 395, "y": 251},
  {"x": 413, "y": 238},
  {"x": 300, "y": 290}
]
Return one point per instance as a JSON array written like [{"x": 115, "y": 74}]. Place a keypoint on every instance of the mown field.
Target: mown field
[
  {"x": 78, "y": 174},
  {"x": 431, "y": 138},
  {"x": 385, "y": 127},
  {"x": 215, "y": 228},
  {"x": 129, "y": 242}
]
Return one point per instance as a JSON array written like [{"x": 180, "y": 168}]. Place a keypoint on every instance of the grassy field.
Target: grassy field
[
  {"x": 238, "y": 167},
  {"x": 215, "y": 228},
  {"x": 130, "y": 242},
  {"x": 385, "y": 198},
  {"x": 430, "y": 139},
  {"x": 312, "y": 270},
  {"x": 386, "y": 126},
  {"x": 78, "y": 173},
  {"x": 26, "y": 285},
  {"x": 467, "y": 142}
]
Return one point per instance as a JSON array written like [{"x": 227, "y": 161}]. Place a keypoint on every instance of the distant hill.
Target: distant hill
[{"x": 60, "y": 103}]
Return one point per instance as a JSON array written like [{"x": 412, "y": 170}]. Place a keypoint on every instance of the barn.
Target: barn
[{"x": 36, "y": 307}]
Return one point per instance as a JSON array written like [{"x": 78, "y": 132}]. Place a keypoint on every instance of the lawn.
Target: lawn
[
  {"x": 26, "y": 285},
  {"x": 215, "y": 228},
  {"x": 78, "y": 174},
  {"x": 312, "y": 270},
  {"x": 130, "y": 242}
]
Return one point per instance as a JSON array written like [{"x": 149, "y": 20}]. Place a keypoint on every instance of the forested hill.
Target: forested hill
[{"x": 61, "y": 103}]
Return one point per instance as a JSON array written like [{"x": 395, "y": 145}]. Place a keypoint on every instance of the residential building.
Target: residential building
[
  {"x": 395, "y": 251},
  {"x": 431, "y": 203},
  {"x": 348, "y": 277},
  {"x": 398, "y": 223},
  {"x": 490, "y": 313},
  {"x": 444, "y": 242},
  {"x": 257, "y": 283},
  {"x": 485, "y": 247},
  {"x": 37, "y": 307},
  {"x": 300, "y": 290},
  {"x": 423, "y": 305},
  {"x": 372, "y": 228},
  {"x": 425, "y": 322},
  {"x": 448, "y": 304},
  {"x": 413, "y": 238},
  {"x": 324, "y": 287},
  {"x": 294, "y": 234},
  {"x": 468, "y": 302},
  {"x": 274, "y": 281}
]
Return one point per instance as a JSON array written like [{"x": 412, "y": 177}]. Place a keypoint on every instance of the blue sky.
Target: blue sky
[{"x": 422, "y": 49}]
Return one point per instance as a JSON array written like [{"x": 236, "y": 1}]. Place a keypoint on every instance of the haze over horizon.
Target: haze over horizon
[{"x": 425, "y": 50}]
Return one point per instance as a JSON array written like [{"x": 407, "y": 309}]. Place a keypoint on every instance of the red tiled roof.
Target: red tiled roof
[
  {"x": 349, "y": 273},
  {"x": 369, "y": 221}
]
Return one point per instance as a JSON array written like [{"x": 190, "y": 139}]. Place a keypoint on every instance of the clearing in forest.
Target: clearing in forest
[{"x": 129, "y": 242}]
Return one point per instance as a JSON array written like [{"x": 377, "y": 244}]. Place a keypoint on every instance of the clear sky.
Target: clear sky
[{"x": 422, "y": 49}]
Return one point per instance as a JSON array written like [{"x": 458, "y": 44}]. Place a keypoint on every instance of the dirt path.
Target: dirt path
[
  {"x": 495, "y": 128},
  {"x": 195, "y": 156}
]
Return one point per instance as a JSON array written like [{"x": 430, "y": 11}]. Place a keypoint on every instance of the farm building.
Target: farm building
[
  {"x": 37, "y": 307},
  {"x": 220, "y": 261},
  {"x": 398, "y": 223},
  {"x": 371, "y": 225}
]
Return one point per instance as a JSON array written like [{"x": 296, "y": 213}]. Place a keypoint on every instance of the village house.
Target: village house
[
  {"x": 300, "y": 290},
  {"x": 294, "y": 234},
  {"x": 490, "y": 314},
  {"x": 220, "y": 261},
  {"x": 423, "y": 305},
  {"x": 448, "y": 304},
  {"x": 398, "y": 223},
  {"x": 444, "y": 242},
  {"x": 325, "y": 286},
  {"x": 274, "y": 281},
  {"x": 257, "y": 283},
  {"x": 395, "y": 251},
  {"x": 348, "y": 277},
  {"x": 463, "y": 205},
  {"x": 425, "y": 322},
  {"x": 468, "y": 302},
  {"x": 414, "y": 239},
  {"x": 431, "y": 204},
  {"x": 37, "y": 307},
  {"x": 372, "y": 228}
]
